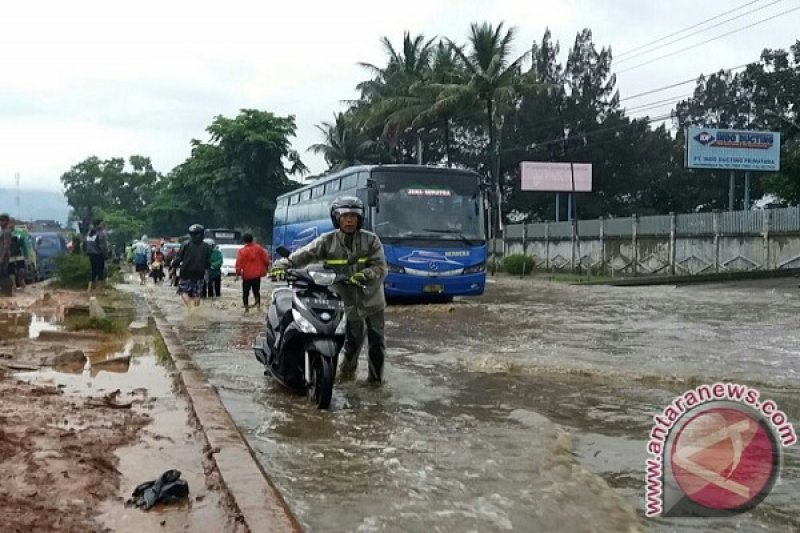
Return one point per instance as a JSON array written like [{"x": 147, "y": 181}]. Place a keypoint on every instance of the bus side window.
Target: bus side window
[
  {"x": 349, "y": 182},
  {"x": 332, "y": 187},
  {"x": 318, "y": 192},
  {"x": 363, "y": 177},
  {"x": 280, "y": 211},
  {"x": 304, "y": 206},
  {"x": 318, "y": 210}
]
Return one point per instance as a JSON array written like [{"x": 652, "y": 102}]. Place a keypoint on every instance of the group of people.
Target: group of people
[
  {"x": 359, "y": 252},
  {"x": 14, "y": 251},
  {"x": 149, "y": 260},
  {"x": 196, "y": 267}
]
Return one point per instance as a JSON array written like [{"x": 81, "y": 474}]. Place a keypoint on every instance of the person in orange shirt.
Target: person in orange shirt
[{"x": 252, "y": 262}]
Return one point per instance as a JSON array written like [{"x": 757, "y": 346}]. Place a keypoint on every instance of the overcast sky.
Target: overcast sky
[{"x": 121, "y": 77}]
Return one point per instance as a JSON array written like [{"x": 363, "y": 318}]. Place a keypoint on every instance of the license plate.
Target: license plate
[{"x": 433, "y": 288}]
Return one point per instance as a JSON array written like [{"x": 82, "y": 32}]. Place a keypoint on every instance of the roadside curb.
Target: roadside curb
[
  {"x": 260, "y": 504},
  {"x": 707, "y": 278}
]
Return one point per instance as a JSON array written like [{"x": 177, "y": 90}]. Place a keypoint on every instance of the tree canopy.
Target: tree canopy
[{"x": 468, "y": 103}]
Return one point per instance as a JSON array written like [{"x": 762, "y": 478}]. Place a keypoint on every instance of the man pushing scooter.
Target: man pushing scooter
[{"x": 357, "y": 254}]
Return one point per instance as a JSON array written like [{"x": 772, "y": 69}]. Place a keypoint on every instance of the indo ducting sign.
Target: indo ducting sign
[{"x": 733, "y": 149}]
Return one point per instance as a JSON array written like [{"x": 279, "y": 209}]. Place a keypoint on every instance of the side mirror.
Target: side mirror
[
  {"x": 283, "y": 251},
  {"x": 372, "y": 197}
]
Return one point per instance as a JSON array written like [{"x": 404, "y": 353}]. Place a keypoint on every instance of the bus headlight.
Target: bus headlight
[
  {"x": 397, "y": 269},
  {"x": 475, "y": 269}
]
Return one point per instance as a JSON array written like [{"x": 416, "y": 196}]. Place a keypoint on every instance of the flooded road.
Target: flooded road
[{"x": 526, "y": 409}]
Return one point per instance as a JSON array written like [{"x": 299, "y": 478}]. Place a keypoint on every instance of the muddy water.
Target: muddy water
[
  {"x": 525, "y": 409},
  {"x": 21, "y": 324},
  {"x": 168, "y": 442}
]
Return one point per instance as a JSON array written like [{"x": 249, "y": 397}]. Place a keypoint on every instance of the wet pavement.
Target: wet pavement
[{"x": 525, "y": 409}]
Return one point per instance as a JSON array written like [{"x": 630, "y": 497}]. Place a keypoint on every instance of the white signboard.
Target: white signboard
[
  {"x": 733, "y": 149},
  {"x": 556, "y": 177}
]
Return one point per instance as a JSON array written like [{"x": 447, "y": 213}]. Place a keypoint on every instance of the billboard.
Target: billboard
[
  {"x": 555, "y": 177},
  {"x": 733, "y": 149}
]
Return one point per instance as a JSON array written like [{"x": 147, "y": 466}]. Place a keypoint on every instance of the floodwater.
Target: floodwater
[
  {"x": 22, "y": 324},
  {"x": 169, "y": 441},
  {"x": 525, "y": 409}
]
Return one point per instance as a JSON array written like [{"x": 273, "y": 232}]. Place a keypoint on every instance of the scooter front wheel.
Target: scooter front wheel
[{"x": 321, "y": 387}]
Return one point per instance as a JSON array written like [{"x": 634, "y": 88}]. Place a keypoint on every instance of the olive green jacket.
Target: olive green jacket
[{"x": 365, "y": 256}]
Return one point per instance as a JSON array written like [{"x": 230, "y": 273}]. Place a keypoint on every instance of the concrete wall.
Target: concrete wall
[{"x": 709, "y": 251}]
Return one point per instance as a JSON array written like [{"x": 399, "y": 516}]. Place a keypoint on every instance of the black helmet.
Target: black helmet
[
  {"x": 347, "y": 204},
  {"x": 194, "y": 229}
]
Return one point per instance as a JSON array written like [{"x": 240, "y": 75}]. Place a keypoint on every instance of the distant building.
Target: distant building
[{"x": 45, "y": 225}]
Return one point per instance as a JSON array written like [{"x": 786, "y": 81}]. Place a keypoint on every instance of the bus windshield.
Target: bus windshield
[{"x": 431, "y": 206}]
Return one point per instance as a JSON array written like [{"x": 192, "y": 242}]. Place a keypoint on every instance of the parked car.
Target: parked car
[
  {"x": 48, "y": 247},
  {"x": 229, "y": 252}
]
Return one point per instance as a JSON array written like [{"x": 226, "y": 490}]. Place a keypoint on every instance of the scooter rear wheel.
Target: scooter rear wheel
[{"x": 321, "y": 387}]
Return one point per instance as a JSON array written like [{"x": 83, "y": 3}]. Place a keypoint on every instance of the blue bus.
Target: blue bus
[{"x": 430, "y": 220}]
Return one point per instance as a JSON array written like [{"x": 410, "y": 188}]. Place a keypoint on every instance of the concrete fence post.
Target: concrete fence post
[
  {"x": 574, "y": 240},
  {"x": 602, "y": 245},
  {"x": 672, "y": 227},
  {"x": 715, "y": 229},
  {"x": 765, "y": 237},
  {"x": 547, "y": 246},
  {"x": 635, "y": 245},
  {"x": 525, "y": 238}
]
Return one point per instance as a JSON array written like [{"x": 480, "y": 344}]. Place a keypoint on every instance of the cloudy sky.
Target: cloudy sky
[{"x": 120, "y": 77}]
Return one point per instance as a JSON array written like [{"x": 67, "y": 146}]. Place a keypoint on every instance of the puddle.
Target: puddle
[
  {"x": 22, "y": 324},
  {"x": 168, "y": 442}
]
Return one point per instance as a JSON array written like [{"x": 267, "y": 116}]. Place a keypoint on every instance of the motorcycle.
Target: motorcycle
[
  {"x": 304, "y": 333},
  {"x": 157, "y": 272}
]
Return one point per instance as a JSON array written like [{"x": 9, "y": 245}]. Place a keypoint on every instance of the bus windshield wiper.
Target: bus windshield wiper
[{"x": 455, "y": 232}]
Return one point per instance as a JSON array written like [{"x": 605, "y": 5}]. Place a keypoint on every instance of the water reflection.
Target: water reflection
[{"x": 22, "y": 324}]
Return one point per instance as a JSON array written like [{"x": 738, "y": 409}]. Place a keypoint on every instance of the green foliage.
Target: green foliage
[
  {"x": 94, "y": 185},
  {"x": 345, "y": 145},
  {"x": 73, "y": 271},
  {"x": 123, "y": 227},
  {"x": 238, "y": 174},
  {"x": 107, "y": 325},
  {"x": 518, "y": 264}
]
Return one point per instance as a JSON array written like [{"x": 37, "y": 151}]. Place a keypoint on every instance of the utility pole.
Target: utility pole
[
  {"x": 16, "y": 184},
  {"x": 731, "y": 189}
]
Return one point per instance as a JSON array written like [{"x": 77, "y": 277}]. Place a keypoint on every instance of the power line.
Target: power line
[
  {"x": 686, "y": 29},
  {"x": 678, "y": 84},
  {"x": 711, "y": 39},
  {"x": 538, "y": 146},
  {"x": 658, "y": 103},
  {"x": 684, "y": 37}
]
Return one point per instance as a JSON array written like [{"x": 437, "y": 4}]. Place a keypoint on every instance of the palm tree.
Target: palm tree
[
  {"x": 345, "y": 145},
  {"x": 392, "y": 102},
  {"x": 490, "y": 80}
]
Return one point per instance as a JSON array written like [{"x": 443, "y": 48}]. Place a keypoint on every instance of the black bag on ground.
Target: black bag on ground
[{"x": 167, "y": 488}]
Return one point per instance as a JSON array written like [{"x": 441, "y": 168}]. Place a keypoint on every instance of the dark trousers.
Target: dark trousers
[
  {"x": 374, "y": 327},
  {"x": 98, "y": 263},
  {"x": 251, "y": 285},
  {"x": 214, "y": 287}
]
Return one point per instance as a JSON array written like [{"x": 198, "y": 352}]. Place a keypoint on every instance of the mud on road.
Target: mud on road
[{"x": 85, "y": 416}]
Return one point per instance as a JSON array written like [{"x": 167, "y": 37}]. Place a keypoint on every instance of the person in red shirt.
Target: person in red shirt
[{"x": 252, "y": 262}]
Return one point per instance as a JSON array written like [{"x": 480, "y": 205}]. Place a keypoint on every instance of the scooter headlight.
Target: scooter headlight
[
  {"x": 302, "y": 322},
  {"x": 323, "y": 278}
]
